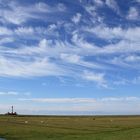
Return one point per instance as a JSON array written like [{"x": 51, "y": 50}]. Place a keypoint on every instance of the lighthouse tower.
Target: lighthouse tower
[{"x": 12, "y": 112}]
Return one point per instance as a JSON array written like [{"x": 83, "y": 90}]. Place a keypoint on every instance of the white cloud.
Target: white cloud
[
  {"x": 52, "y": 27},
  {"x": 76, "y": 19},
  {"x": 28, "y": 69},
  {"x": 36, "y": 33},
  {"x": 121, "y": 47},
  {"x": 61, "y": 7},
  {"x": 9, "y": 93},
  {"x": 105, "y": 32},
  {"x": 133, "y": 14},
  {"x": 42, "y": 7},
  {"x": 6, "y": 40},
  {"x": 95, "y": 77},
  {"x": 81, "y": 100},
  {"x": 5, "y": 31},
  {"x": 129, "y": 41},
  {"x": 66, "y": 55},
  {"x": 24, "y": 31},
  {"x": 132, "y": 58},
  {"x": 99, "y": 2},
  {"x": 91, "y": 9},
  {"x": 28, "y": 32},
  {"x": 79, "y": 61},
  {"x": 113, "y": 5},
  {"x": 52, "y": 56},
  {"x": 72, "y": 58},
  {"x": 18, "y": 14},
  {"x": 121, "y": 82},
  {"x": 80, "y": 42},
  {"x": 43, "y": 43},
  {"x": 60, "y": 100}
]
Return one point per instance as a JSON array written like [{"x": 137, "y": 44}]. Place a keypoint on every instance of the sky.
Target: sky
[{"x": 70, "y": 57}]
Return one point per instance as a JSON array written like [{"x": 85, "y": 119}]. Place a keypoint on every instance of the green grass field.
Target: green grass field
[{"x": 70, "y": 128}]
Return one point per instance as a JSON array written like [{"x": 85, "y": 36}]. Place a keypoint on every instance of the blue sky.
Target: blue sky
[{"x": 70, "y": 56}]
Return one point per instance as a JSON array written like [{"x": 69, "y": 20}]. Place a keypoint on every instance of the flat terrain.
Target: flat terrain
[{"x": 70, "y": 128}]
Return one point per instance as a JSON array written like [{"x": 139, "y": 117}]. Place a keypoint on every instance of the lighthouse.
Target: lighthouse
[{"x": 12, "y": 111}]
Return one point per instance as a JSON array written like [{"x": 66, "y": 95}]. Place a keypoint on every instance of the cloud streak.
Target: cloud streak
[
  {"x": 19, "y": 14},
  {"x": 98, "y": 106},
  {"x": 81, "y": 100},
  {"x": 60, "y": 100},
  {"x": 9, "y": 93}
]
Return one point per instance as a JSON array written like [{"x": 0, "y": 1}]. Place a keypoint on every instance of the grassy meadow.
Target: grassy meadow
[{"x": 70, "y": 127}]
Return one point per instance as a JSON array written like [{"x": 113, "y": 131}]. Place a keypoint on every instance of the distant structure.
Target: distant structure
[{"x": 12, "y": 112}]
